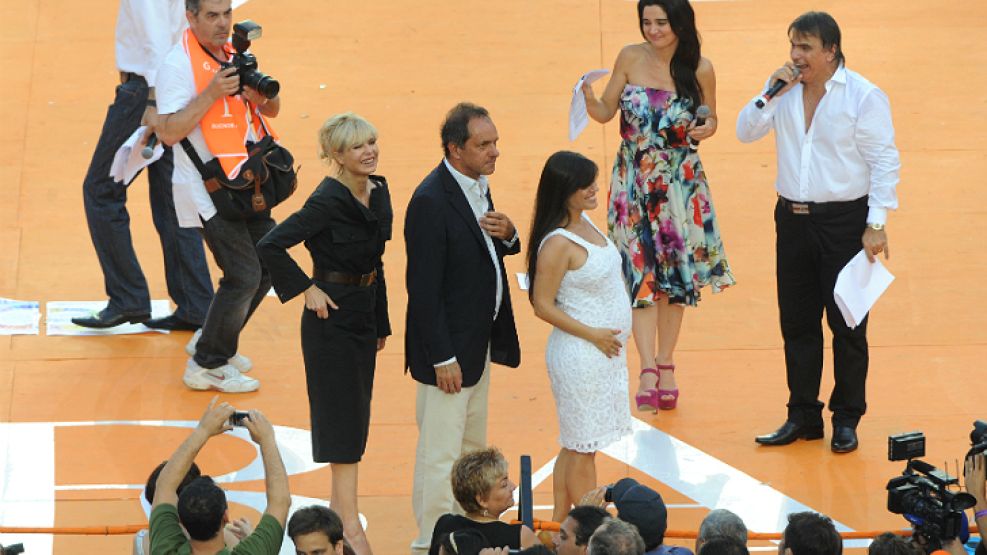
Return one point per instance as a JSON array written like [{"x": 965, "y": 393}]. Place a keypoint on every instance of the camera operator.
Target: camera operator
[
  {"x": 975, "y": 480},
  {"x": 201, "y": 508},
  {"x": 145, "y": 32},
  {"x": 199, "y": 100}
]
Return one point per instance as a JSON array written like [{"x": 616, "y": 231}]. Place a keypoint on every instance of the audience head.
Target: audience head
[
  {"x": 616, "y": 537},
  {"x": 469, "y": 140},
  {"x": 202, "y": 509},
  {"x": 721, "y": 522},
  {"x": 890, "y": 543},
  {"x": 462, "y": 542},
  {"x": 480, "y": 483},
  {"x": 316, "y": 530},
  {"x": 152, "y": 481},
  {"x": 723, "y": 545},
  {"x": 643, "y": 507},
  {"x": 341, "y": 133},
  {"x": 810, "y": 533},
  {"x": 576, "y": 529}
]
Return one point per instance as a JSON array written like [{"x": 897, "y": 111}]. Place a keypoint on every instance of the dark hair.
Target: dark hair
[
  {"x": 723, "y": 545},
  {"x": 616, "y": 537},
  {"x": 685, "y": 61},
  {"x": 201, "y": 507},
  {"x": 564, "y": 173},
  {"x": 193, "y": 6},
  {"x": 588, "y": 518},
  {"x": 152, "y": 481},
  {"x": 316, "y": 518},
  {"x": 455, "y": 128},
  {"x": 811, "y": 533},
  {"x": 823, "y": 26},
  {"x": 890, "y": 543},
  {"x": 467, "y": 541}
]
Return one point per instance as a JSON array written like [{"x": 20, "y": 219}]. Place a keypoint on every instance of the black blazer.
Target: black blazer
[{"x": 452, "y": 286}]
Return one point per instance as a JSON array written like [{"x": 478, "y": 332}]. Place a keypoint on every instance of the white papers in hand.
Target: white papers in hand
[
  {"x": 128, "y": 162},
  {"x": 578, "y": 118},
  {"x": 858, "y": 286}
]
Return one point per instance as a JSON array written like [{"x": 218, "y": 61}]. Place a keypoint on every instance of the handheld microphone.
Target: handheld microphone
[
  {"x": 149, "y": 148},
  {"x": 771, "y": 92},
  {"x": 702, "y": 113}
]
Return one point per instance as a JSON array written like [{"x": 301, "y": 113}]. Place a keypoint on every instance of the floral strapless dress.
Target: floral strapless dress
[{"x": 660, "y": 214}]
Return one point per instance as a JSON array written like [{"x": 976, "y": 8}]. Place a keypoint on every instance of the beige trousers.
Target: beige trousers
[{"x": 449, "y": 424}]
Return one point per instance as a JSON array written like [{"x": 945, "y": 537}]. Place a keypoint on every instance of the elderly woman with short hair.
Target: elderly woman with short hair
[{"x": 484, "y": 491}]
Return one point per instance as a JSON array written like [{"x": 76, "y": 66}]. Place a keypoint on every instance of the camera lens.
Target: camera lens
[{"x": 262, "y": 83}]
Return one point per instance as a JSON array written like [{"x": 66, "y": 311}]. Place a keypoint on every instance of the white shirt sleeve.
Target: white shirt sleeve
[
  {"x": 753, "y": 122},
  {"x": 874, "y": 135},
  {"x": 176, "y": 84}
]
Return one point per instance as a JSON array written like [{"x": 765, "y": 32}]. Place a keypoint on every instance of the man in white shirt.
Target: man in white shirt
[
  {"x": 837, "y": 174},
  {"x": 145, "y": 32},
  {"x": 459, "y": 307},
  {"x": 199, "y": 101}
]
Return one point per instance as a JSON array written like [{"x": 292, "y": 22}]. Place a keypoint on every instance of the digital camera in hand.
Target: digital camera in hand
[
  {"x": 246, "y": 63},
  {"x": 921, "y": 494},
  {"x": 237, "y": 418}
]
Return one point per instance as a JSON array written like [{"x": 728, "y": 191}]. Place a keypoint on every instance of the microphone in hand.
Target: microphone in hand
[
  {"x": 775, "y": 88},
  {"x": 149, "y": 147},
  {"x": 702, "y": 113}
]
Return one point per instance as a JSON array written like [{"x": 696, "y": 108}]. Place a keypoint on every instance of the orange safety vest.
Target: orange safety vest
[{"x": 227, "y": 122}]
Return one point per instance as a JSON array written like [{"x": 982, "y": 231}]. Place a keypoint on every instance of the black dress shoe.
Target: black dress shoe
[
  {"x": 108, "y": 318},
  {"x": 789, "y": 432},
  {"x": 171, "y": 322},
  {"x": 844, "y": 439}
]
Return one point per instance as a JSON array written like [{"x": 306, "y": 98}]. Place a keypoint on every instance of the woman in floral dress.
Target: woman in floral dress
[{"x": 661, "y": 213}]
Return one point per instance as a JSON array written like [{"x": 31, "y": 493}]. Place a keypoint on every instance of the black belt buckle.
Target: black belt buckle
[{"x": 799, "y": 208}]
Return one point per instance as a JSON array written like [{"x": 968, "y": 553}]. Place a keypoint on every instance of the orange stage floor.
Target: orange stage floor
[{"x": 402, "y": 65}]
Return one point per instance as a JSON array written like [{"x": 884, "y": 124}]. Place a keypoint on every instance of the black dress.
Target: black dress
[
  {"x": 497, "y": 533},
  {"x": 340, "y": 352}
]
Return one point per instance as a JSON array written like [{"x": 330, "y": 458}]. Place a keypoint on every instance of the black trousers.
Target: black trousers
[{"x": 811, "y": 249}]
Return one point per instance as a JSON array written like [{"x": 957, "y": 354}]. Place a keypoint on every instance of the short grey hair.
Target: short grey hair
[
  {"x": 721, "y": 522},
  {"x": 616, "y": 537}
]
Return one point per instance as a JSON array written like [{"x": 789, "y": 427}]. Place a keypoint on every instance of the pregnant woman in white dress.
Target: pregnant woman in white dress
[{"x": 576, "y": 285}]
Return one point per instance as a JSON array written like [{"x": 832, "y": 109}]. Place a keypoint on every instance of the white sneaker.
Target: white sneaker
[
  {"x": 240, "y": 362},
  {"x": 226, "y": 379}
]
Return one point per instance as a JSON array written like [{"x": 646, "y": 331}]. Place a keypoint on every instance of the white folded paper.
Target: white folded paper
[
  {"x": 128, "y": 161},
  {"x": 522, "y": 281},
  {"x": 578, "y": 118},
  {"x": 858, "y": 286},
  {"x": 19, "y": 317}
]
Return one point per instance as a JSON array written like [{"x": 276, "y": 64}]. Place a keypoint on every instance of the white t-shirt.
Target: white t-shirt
[
  {"x": 175, "y": 90},
  {"x": 146, "y": 30}
]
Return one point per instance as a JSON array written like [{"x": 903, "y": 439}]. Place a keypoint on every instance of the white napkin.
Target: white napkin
[
  {"x": 128, "y": 162},
  {"x": 858, "y": 286},
  {"x": 578, "y": 118}
]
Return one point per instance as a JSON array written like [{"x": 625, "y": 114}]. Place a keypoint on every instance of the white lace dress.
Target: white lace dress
[{"x": 590, "y": 390}]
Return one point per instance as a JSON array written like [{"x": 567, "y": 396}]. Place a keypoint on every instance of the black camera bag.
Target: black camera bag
[{"x": 266, "y": 179}]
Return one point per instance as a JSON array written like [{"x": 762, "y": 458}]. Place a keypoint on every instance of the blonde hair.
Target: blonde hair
[
  {"x": 476, "y": 473},
  {"x": 343, "y": 131}
]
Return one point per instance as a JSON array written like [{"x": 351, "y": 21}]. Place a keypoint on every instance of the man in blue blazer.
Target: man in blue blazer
[{"x": 459, "y": 307}]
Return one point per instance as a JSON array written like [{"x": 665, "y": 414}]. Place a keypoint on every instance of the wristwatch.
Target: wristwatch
[{"x": 876, "y": 227}]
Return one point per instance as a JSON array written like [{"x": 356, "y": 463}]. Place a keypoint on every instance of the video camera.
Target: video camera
[
  {"x": 921, "y": 494},
  {"x": 246, "y": 63}
]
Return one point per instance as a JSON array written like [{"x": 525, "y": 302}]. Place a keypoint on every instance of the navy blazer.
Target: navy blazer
[{"x": 452, "y": 286}]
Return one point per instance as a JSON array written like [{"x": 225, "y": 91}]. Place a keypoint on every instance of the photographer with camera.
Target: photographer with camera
[
  {"x": 201, "y": 508},
  {"x": 213, "y": 100},
  {"x": 975, "y": 480}
]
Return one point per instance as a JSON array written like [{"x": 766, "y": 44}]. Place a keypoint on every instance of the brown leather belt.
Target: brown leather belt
[
  {"x": 807, "y": 208},
  {"x": 343, "y": 278}
]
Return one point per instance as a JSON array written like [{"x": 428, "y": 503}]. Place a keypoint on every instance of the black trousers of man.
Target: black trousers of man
[{"x": 811, "y": 250}]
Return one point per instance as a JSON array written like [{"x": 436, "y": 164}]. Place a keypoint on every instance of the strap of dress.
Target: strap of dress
[
  {"x": 568, "y": 235},
  {"x": 604, "y": 235}
]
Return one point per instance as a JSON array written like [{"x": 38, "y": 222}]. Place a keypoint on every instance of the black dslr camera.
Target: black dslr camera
[
  {"x": 922, "y": 496},
  {"x": 246, "y": 64}
]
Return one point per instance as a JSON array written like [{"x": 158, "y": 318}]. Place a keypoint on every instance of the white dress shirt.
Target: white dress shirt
[
  {"x": 146, "y": 31},
  {"x": 847, "y": 152},
  {"x": 476, "y": 194}
]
